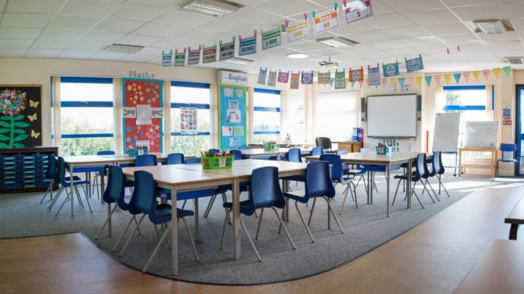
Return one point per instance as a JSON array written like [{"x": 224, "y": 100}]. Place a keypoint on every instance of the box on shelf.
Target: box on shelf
[
  {"x": 270, "y": 146},
  {"x": 217, "y": 162},
  {"x": 134, "y": 152},
  {"x": 385, "y": 149}
]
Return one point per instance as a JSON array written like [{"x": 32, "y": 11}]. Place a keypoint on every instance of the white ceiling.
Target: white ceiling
[{"x": 81, "y": 29}]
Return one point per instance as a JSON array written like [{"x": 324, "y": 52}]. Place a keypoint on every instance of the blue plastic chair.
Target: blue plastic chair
[
  {"x": 66, "y": 184},
  {"x": 146, "y": 160},
  {"x": 317, "y": 151},
  {"x": 97, "y": 175},
  {"x": 264, "y": 192},
  {"x": 237, "y": 154},
  {"x": 145, "y": 193},
  {"x": 193, "y": 160},
  {"x": 214, "y": 150},
  {"x": 437, "y": 169},
  {"x": 373, "y": 169},
  {"x": 294, "y": 156},
  {"x": 50, "y": 175},
  {"x": 318, "y": 184},
  {"x": 114, "y": 192},
  {"x": 417, "y": 174},
  {"x": 505, "y": 150},
  {"x": 244, "y": 147},
  {"x": 338, "y": 176},
  {"x": 175, "y": 158}
]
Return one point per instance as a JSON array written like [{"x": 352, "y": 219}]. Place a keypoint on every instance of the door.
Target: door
[{"x": 520, "y": 130}]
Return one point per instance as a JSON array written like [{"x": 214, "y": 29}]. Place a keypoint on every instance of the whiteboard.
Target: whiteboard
[
  {"x": 481, "y": 133},
  {"x": 392, "y": 116},
  {"x": 446, "y": 133}
]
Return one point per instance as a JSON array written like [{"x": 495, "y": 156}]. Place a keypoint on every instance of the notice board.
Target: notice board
[
  {"x": 481, "y": 134},
  {"x": 232, "y": 116},
  {"x": 446, "y": 132}
]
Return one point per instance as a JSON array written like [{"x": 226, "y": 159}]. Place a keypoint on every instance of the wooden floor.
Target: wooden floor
[{"x": 431, "y": 258}]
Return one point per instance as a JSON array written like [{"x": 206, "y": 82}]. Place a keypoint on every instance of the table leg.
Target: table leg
[
  {"x": 460, "y": 163},
  {"x": 236, "y": 217},
  {"x": 102, "y": 184},
  {"x": 367, "y": 176},
  {"x": 285, "y": 184},
  {"x": 388, "y": 170},
  {"x": 174, "y": 232},
  {"x": 408, "y": 182},
  {"x": 71, "y": 187},
  {"x": 197, "y": 222}
]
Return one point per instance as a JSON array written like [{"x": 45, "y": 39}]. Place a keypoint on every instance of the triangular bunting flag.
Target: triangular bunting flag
[
  {"x": 331, "y": 80},
  {"x": 392, "y": 81},
  {"x": 401, "y": 82},
  {"x": 486, "y": 74},
  {"x": 410, "y": 81},
  {"x": 507, "y": 70},
  {"x": 360, "y": 83},
  {"x": 428, "y": 80},
  {"x": 367, "y": 82},
  {"x": 447, "y": 77},
  {"x": 352, "y": 84},
  {"x": 384, "y": 82},
  {"x": 419, "y": 81},
  {"x": 476, "y": 74},
  {"x": 466, "y": 76},
  {"x": 437, "y": 78},
  {"x": 457, "y": 77},
  {"x": 496, "y": 71}
]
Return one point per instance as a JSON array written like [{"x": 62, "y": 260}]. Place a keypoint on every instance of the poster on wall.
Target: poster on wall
[
  {"x": 232, "y": 116},
  {"x": 188, "y": 120},
  {"x": 20, "y": 116},
  {"x": 145, "y": 96}
]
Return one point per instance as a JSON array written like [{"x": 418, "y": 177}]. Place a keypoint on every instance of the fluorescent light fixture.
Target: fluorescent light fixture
[
  {"x": 297, "y": 55},
  {"x": 337, "y": 42},
  {"x": 514, "y": 60},
  {"x": 124, "y": 48},
  {"x": 212, "y": 7},
  {"x": 490, "y": 26},
  {"x": 236, "y": 60}
]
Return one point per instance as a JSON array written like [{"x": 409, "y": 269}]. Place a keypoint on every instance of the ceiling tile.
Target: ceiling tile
[
  {"x": 355, "y": 28},
  {"x": 94, "y": 8},
  {"x": 25, "y": 20},
  {"x": 388, "y": 21},
  {"x": 137, "y": 12},
  {"x": 404, "y": 53},
  {"x": 138, "y": 58},
  {"x": 195, "y": 35},
  {"x": 386, "y": 45},
  {"x": 158, "y": 3},
  {"x": 219, "y": 25},
  {"x": 76, "y": 54},
  {"x": 427, "y": 17},
  {"x": 412, "y": 5},
  {"x": 108, "y": 55},
  {"x": 57, "y": 34},
  {"x": 367, "y": 37},
  {"x": 287, "y": 7},
  {"x": 118, "y": 25},
  {"x": 50, "y": 44},
  {"x": 138, "y": 40},
  {"x": 101, "y": 37},
  {"x": 12, "y": 52},
  {"x": 44, "y": 53},
  {"x": 33, "y": 6},
  {"x": 480, "y": 12},
  {"x": 447, "y": 28},
  {"x": 15, "y": 43},
  {"x": 157, "y": 30},
  {"x": 514, "y": 10},
  {"x": 456, "y": 3},
  {"x": 406, "y": 32},
  {"x": 19, "y": 33},
  {"x": 182, "y": 19},
  {"x": 89, "y": 45},
  {"x": 72, "y": 22},
  {"x": 251, "y": 16},
  {"x": 171, "y": 43}
]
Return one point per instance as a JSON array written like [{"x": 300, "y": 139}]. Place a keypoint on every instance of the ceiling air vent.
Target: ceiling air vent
[{"x": 514, "y": 60}]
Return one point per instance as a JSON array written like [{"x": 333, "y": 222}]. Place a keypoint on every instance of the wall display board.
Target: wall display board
[
  {"x": 393, "y": 116},
  {"x": 481, "y": 134},
  {"x": 143, "y": 100},
  {"x": 232, "y": 116},
  {"x": 446, "y": 133}
]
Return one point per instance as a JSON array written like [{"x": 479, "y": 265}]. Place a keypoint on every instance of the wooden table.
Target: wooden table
[
  {"x": 261, "y": 153},
  {"x": 499, "y": 270},
  {"x": 372, "y": 158},
  {"x": 188, "y": 177},
  {"x": 493, "y": 163}
]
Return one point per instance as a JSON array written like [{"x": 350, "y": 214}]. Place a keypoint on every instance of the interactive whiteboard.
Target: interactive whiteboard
[
  {"x": 446, "y": 132},
  {"x": 481, "y": 133},
  {"x": 392, "y": 116}
]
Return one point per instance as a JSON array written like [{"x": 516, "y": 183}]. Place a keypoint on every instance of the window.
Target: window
[
  {"x": 184, "y": 94},
  {"x": 266, "y": 115},
  {"x": 86, "y": 115},
  {"x": 335, "y": 114}
]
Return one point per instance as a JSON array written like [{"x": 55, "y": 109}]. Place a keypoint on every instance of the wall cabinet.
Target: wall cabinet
[
  {"x": 23, "y": 169},
  {"x": 349, "y": 146}
]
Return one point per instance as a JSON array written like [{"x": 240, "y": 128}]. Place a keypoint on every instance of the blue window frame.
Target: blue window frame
[{"x": 266, "y": 115}]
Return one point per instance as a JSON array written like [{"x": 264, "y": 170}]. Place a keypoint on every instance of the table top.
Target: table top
[
  {"x": 373, "y": 157},
  {"x": 499, "y": 270},
  {"x": 92, "y": 159},
  {"x": 477, "y": 149},
  {"x": 168, "y": 175},
  {"x": 260, "y": 151}
]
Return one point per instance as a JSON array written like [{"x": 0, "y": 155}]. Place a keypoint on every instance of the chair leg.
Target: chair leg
[
  {"x": 131, "y": 236},
  {"x": 211, "y": 202},
  {"x": 156, "y": 249},
  {"x": 424, "y": 188},
  {"x": 224, "y": 229},
  {"x": 55, "y": 198},
  {"x": 107, "y": 220},
  {"x": 441, "y": 184},
  {"x": 250, "y": 240},
  {"x": 312, "y": 209},
  {"x": 190, "y": 237},
  {"x": 431, "y": 187},
  {"x": 87, "y": 197},
  {"x": 50, "y": 191},
  {"x": 123, "y": 233},
  {"x": 415, "y": 193},
  {"x": 285, "y": 229},
  {"x": 259, "y": 222},
  {"x": 395, "y": 197},
  {"x": 64, "y": 202},
  {"x": 333, "y": 213}
]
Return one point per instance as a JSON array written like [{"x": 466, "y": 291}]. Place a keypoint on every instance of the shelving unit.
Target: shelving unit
[{"x": 23, "y": 169}]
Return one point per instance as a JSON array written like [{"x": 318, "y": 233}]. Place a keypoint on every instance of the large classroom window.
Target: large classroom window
[
  {"x": 335, "y": 114},
  {"x": 86, "y": 115},
  {"x": 266, "y": 115},
  {"x": 193, "y": 95}
]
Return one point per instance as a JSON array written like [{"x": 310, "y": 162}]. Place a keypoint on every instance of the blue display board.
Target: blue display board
[{"x": 232, "y": 116}]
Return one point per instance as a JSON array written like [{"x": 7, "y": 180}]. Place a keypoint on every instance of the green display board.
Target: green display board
[{"x": 232, "y": 116}]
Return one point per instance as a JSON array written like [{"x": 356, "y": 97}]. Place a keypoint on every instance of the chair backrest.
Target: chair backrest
[
  {"x": 144, "y": 193},
  {"x": 51, "y": 170},
  {"x": 175, "y": 158},
  {"x": 106, "y": 152},
  {"x": 508, "y": 150},
  {"x": 115, "y": 189},
  {"x": 294, "y": 155},
  {"x": 146, "y": 160},
  {"x": 421, "y": 168},
  {"x": 436, "y": 163},
  {"x": 317, "y": 151},
  {"x": 336, "y": 165},
  {"x": 60, "y": 171},
  {"x": 237, "y": 154},
  {"x": 214, "y": 151},
  {"x": 193, "y": 160},
  {"x": 323, "y": 142},
  {"x": 244, "y": 148},
  {"x": 265, "y": 189},
  {"x": 318, "y": 181}
]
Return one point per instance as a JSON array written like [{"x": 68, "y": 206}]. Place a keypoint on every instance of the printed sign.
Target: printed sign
[
  {"x": 283, "y": 77},
  {"x": 166, "y": 58},
  {"x": 374, "y": 76},
  {"x": 210, "y": 55},
  {"x": 272, "y": 79},
  {"x": 193, "y": 57},
  {"x": 307, "y": 77},
  {"x": 356, "y": 75},
  {"x": 271, "y": 39},
  {"x": 247, "y": 46},
  {"x": 323, "y": 77},
  {"x": 180, "y": 59},
  {"x": 297, "y": 31},
  {"x": 227, "y": 51},
  {"x": 295, "y": 81},
  {"x": 326, "y": 21},
  {"x": 340, "y": 80},
  {"x": 390, "y": 69},
  {"x": 414, "y": 64},
  {"x": 262, "y": 76},
  {"x": 357, "y": 10}
]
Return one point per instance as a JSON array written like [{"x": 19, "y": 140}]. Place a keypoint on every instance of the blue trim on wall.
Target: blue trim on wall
[
  {"x": 86, "y": 104},
  {"x": 267, "y": 133},
  {"x": 85, "y": 80},
  {"x": 464, "y": 107},
  {"x": 269, "y": 109},
  {"x": 197, "y": 134},
  {"x": 80, "y": 136},
  {"x": 267, "y": 91},
  {"x": 464, "y": 88},
  {"x": 190, "y": 85},
  {"x": 199, "y": 106}
]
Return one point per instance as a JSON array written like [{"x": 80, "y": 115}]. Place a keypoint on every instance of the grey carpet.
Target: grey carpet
[{"x": 365, "y": 228}]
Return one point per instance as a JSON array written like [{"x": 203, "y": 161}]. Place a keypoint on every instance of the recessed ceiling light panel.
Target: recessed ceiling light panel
[
  {"x": 124, "y": 48},
  {"x": 337, "y": 42},
  {"x": 491, "y": 26},
  {"x": 236, "y": 60},
  {"x": 297, "y": 55},
  {"x": 212, "y": 7}
]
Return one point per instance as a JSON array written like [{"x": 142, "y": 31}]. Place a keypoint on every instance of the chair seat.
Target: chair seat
[
  {"x": 129, "y": 183},
  {"x": 244, "y": 206},
  {"x": 190, "y": 194},
  {"x": 163, "y": 213},
  {"x": 68, "y": 183},
  {"x": 405, "y": 177},
  {"x": 295, "y": 178},
  {"x": 297, "y": 196},
  {"x": 507, "y": 160}
]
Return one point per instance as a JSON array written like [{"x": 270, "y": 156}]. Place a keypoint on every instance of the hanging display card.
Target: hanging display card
[
  {"x": 340, "y": 80},
  {"x": 188, "y": 120},
  {"x": 247, "y": 46},
  {"x": 297, "y": 31},
  {"x": 271, "y": 39},
  {"x": 210, "y": 54},
  {"x": 390, "y": 69},
  {"x": 374, "y": 76},
  {"x": 414, "y": 64},
  {"x": 325, "y": 22},
  {"x": 147, "y": 94},
  {"x": 323, "y": 77},
  {"x": 227, "y": 50},
  {"x": 283, "y": 77},
  {"x": 232, "y": 116},
  {"x": 262, "y": 76},
  {"x": 166, "y": 58},
  {"x": 356, "y": 75},
  {"x": 180, "y": 59},
  {"x": 307, "y": 77},
  {"x": 193, "y": 57},
  {"x": 295, "y": 81},
  {"x": 357, "y": 10},
  {"x": 272, "y": 79}
]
